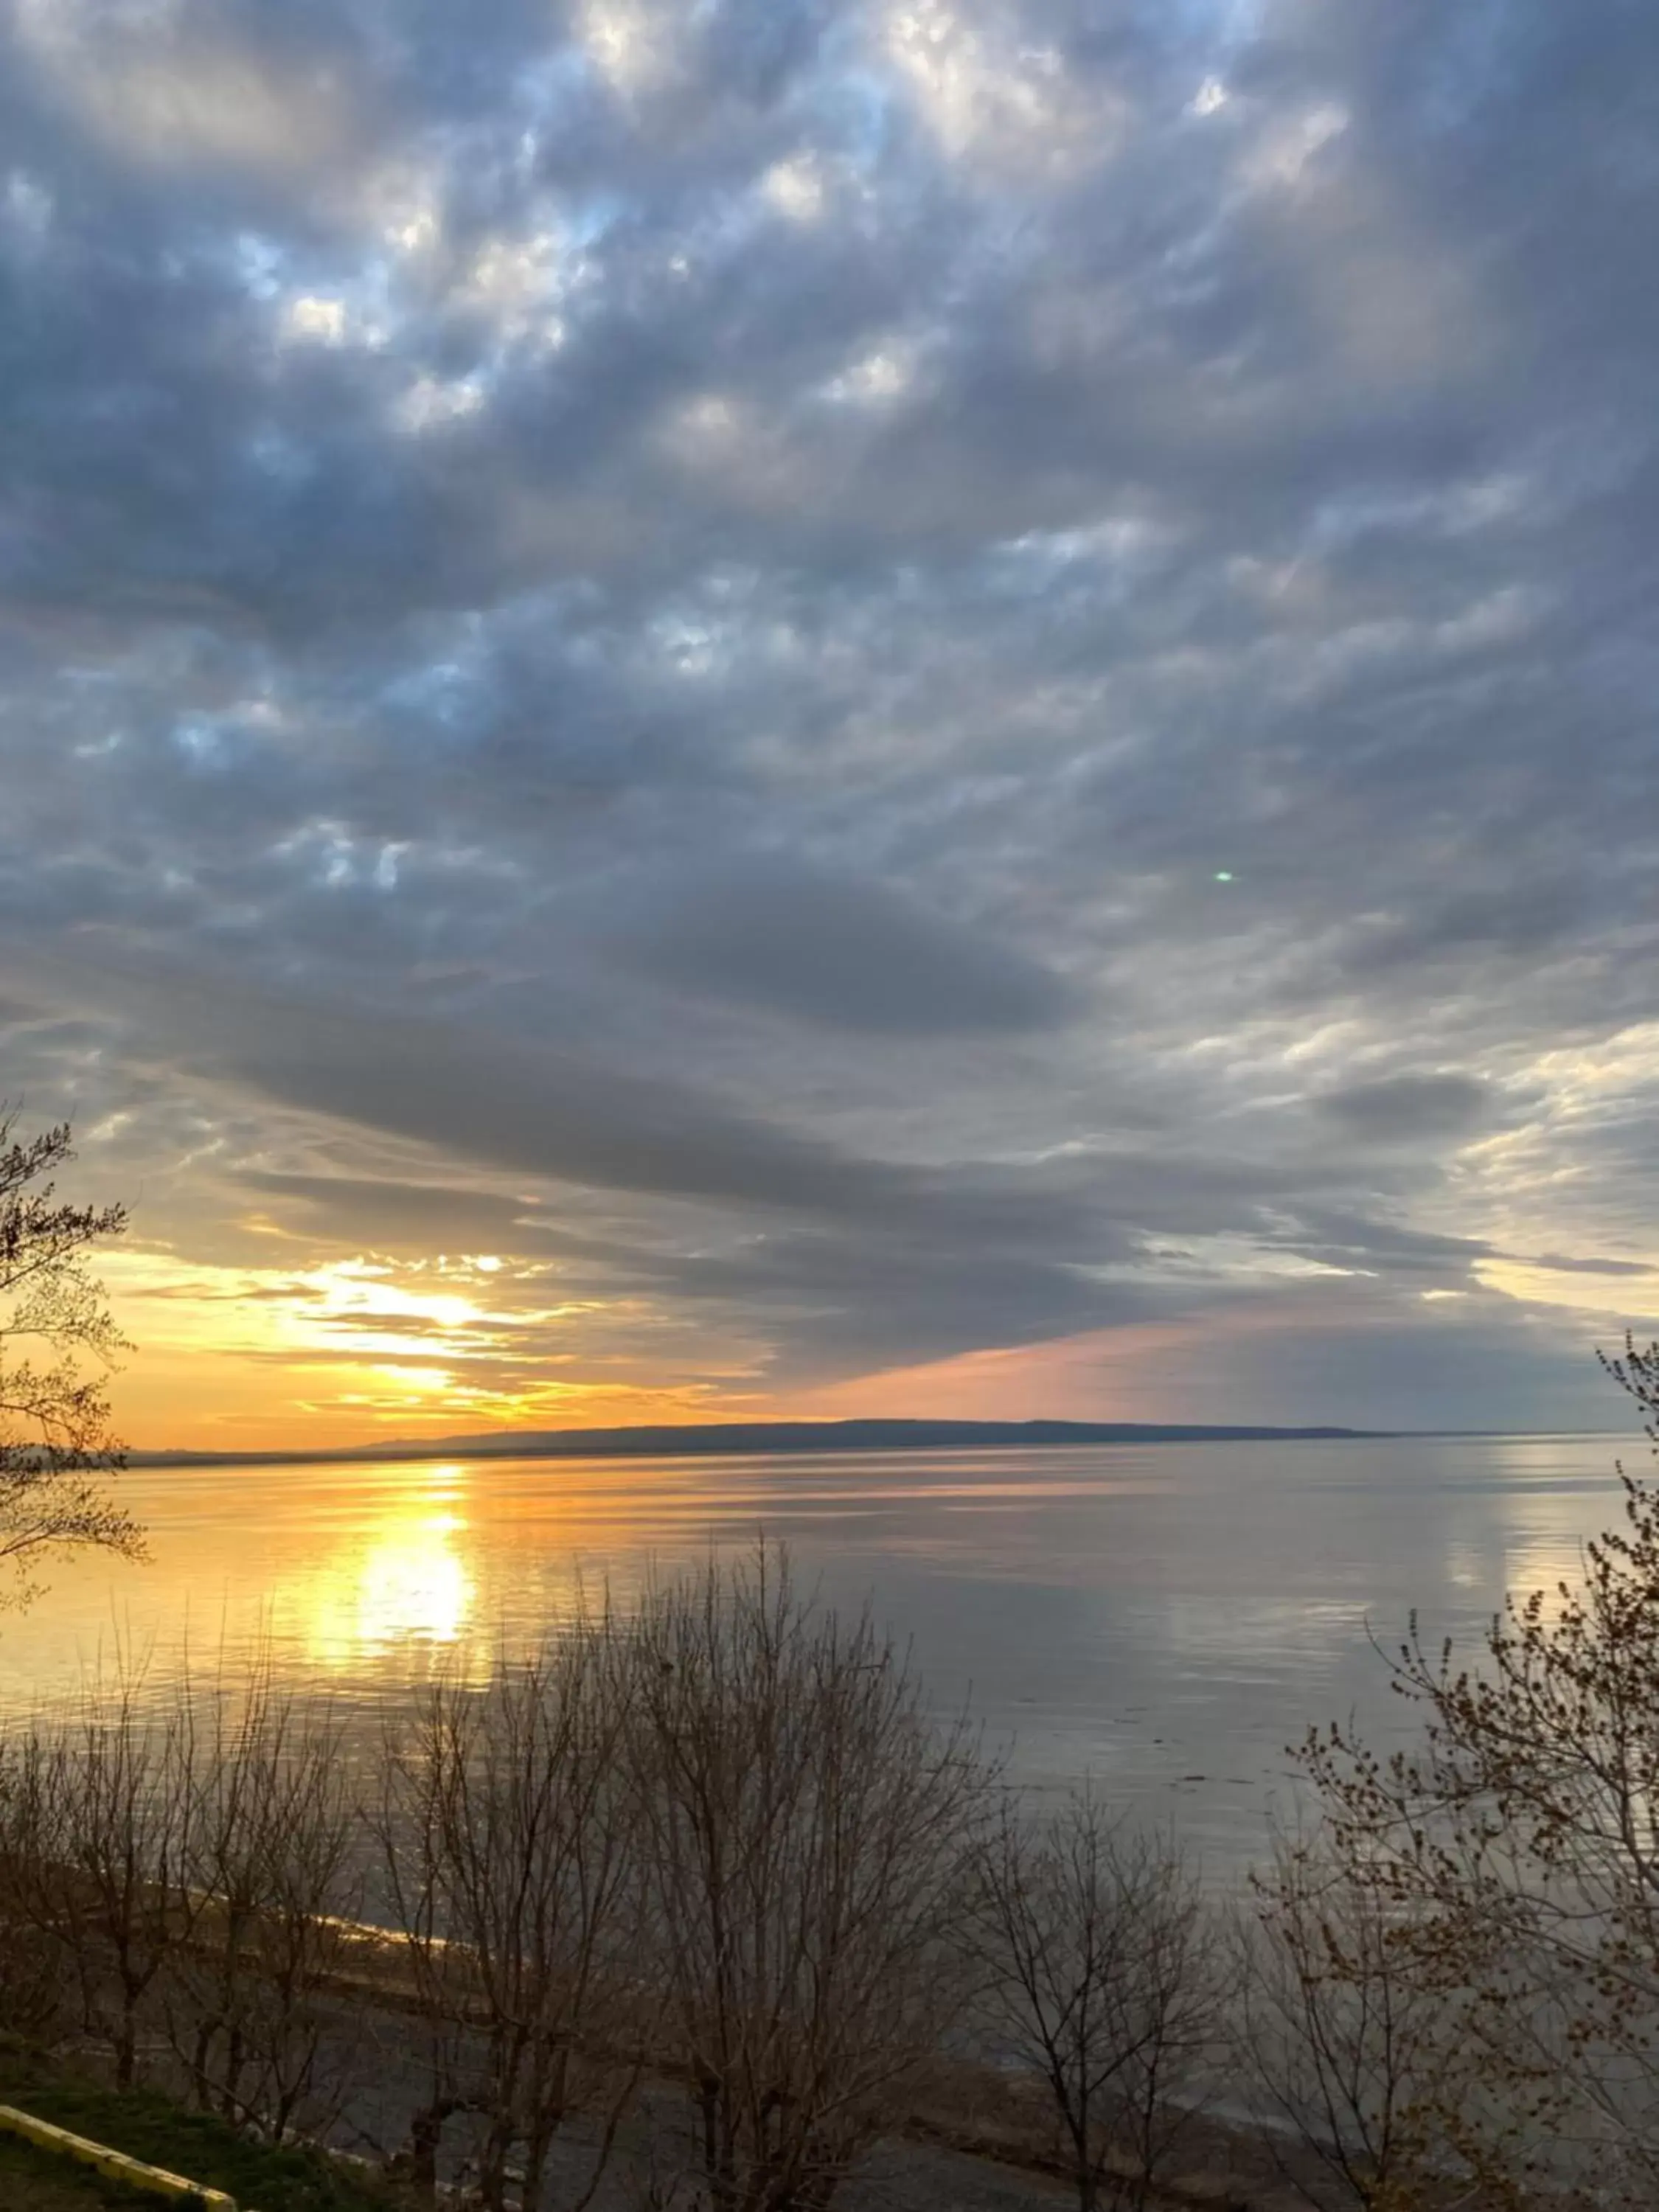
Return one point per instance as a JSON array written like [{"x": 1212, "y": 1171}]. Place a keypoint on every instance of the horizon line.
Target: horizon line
[{"x": 714, "y": 1438}]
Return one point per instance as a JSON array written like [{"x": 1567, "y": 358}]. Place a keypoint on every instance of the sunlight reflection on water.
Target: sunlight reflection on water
[{"x": 1167, "y": 1618}]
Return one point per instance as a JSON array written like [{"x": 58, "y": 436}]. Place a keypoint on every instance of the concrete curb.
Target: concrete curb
[{"x": 114, "y": 2163}]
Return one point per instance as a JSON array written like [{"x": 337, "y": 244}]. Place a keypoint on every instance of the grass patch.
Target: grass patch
[
  {"x": 34, "y": 2180},
  {"x": 196, "y": 2145}
]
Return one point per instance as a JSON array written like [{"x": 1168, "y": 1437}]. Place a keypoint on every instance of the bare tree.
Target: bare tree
[
  {"x": 1171, "y": 2011},
  {"x": 809, "y": 1833},
  {"x": 1514, "y": 1846},
  {"x": 1102, "y": 1974},
  {"x": 35, "y": 1996},
  {"x": 57, "y": 1343},
  {"x": 509, "y": 1837},
  {"x": 98, "y": 1809},
  {"x": 1349, "y": 2037},
  {"x": 253, "y": 2001}
]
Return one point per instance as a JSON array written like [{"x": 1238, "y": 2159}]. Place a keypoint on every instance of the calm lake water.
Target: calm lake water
[{"x": 1166, "y": 1618}]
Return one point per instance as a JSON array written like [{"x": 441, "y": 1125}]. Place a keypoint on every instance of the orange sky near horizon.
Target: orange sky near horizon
[
  {"x": 359, "y": 1352},
  {"x": 365, "y": 1349},
  {"x": 254, "y": 1330},
  {"x": 352, "y": 1353}
]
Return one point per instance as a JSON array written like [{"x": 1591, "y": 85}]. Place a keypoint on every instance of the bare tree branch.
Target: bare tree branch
[
  {"x": 809, "y": 1834},
  {"x": 56, "y": 1444},
  {"x": 1102, "y": 1978}
]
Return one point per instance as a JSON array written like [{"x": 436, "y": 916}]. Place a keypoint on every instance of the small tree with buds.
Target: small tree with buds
[
  {"x": 57, "y": 1344},
  {"x": 1512, "y": 1854}
]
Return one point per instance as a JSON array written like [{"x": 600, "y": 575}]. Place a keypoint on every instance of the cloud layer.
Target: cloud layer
[{"x": 818, "y": 689}]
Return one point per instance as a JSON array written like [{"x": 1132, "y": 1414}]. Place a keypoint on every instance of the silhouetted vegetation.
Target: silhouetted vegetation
[
  {"x": 807, "y": 1837},
  {"x": 1463, "y": 1970},
  {"x": 513, "y": 1847},
  {"x": 57, "y": 1343},
  {"x": 1104, "y": 1979}
]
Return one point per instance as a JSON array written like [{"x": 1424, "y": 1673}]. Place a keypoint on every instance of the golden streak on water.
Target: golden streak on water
[{"x": 406, "y": 1580}]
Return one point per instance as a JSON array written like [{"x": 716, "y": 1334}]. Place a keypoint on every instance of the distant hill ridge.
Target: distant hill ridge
[{"x": 733, "y": 1439}]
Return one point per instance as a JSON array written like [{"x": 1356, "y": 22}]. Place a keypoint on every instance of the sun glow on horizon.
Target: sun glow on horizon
[{"x": 359, "y": 1348}]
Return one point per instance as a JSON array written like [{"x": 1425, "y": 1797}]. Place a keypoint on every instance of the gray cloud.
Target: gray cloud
[
  {"x": 854, "y": 955},
  {"x": 833, "y": 1307},
  {"x": 502, "y": 1103},
  {"x": 1405, "y": 1107},
  {"x": 390, "y": 1217}
]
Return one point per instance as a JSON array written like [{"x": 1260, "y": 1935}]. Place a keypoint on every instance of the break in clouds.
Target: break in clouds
[{"x": 843, "y": 685}]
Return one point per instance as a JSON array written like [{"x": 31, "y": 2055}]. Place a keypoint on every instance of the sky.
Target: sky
[{"x": 832, "y": 706}]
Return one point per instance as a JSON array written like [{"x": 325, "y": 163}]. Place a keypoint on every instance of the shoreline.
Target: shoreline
[{"x": 771, "y": 1439}]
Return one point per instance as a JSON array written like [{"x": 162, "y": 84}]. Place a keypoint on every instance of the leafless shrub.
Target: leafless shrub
[
  {"x": 253, "y": 2001},
  {"x": 34, "y": 2000},
  {"x": 509, "y": 1836},
  {"x": 1103, "y": 1976},
  {"x": 1349, "y": 2040},
  {"x": 183, "y": 1860},
  {"x": 98, "y": 1809},
  {"x": 808, "y": 1832}
]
